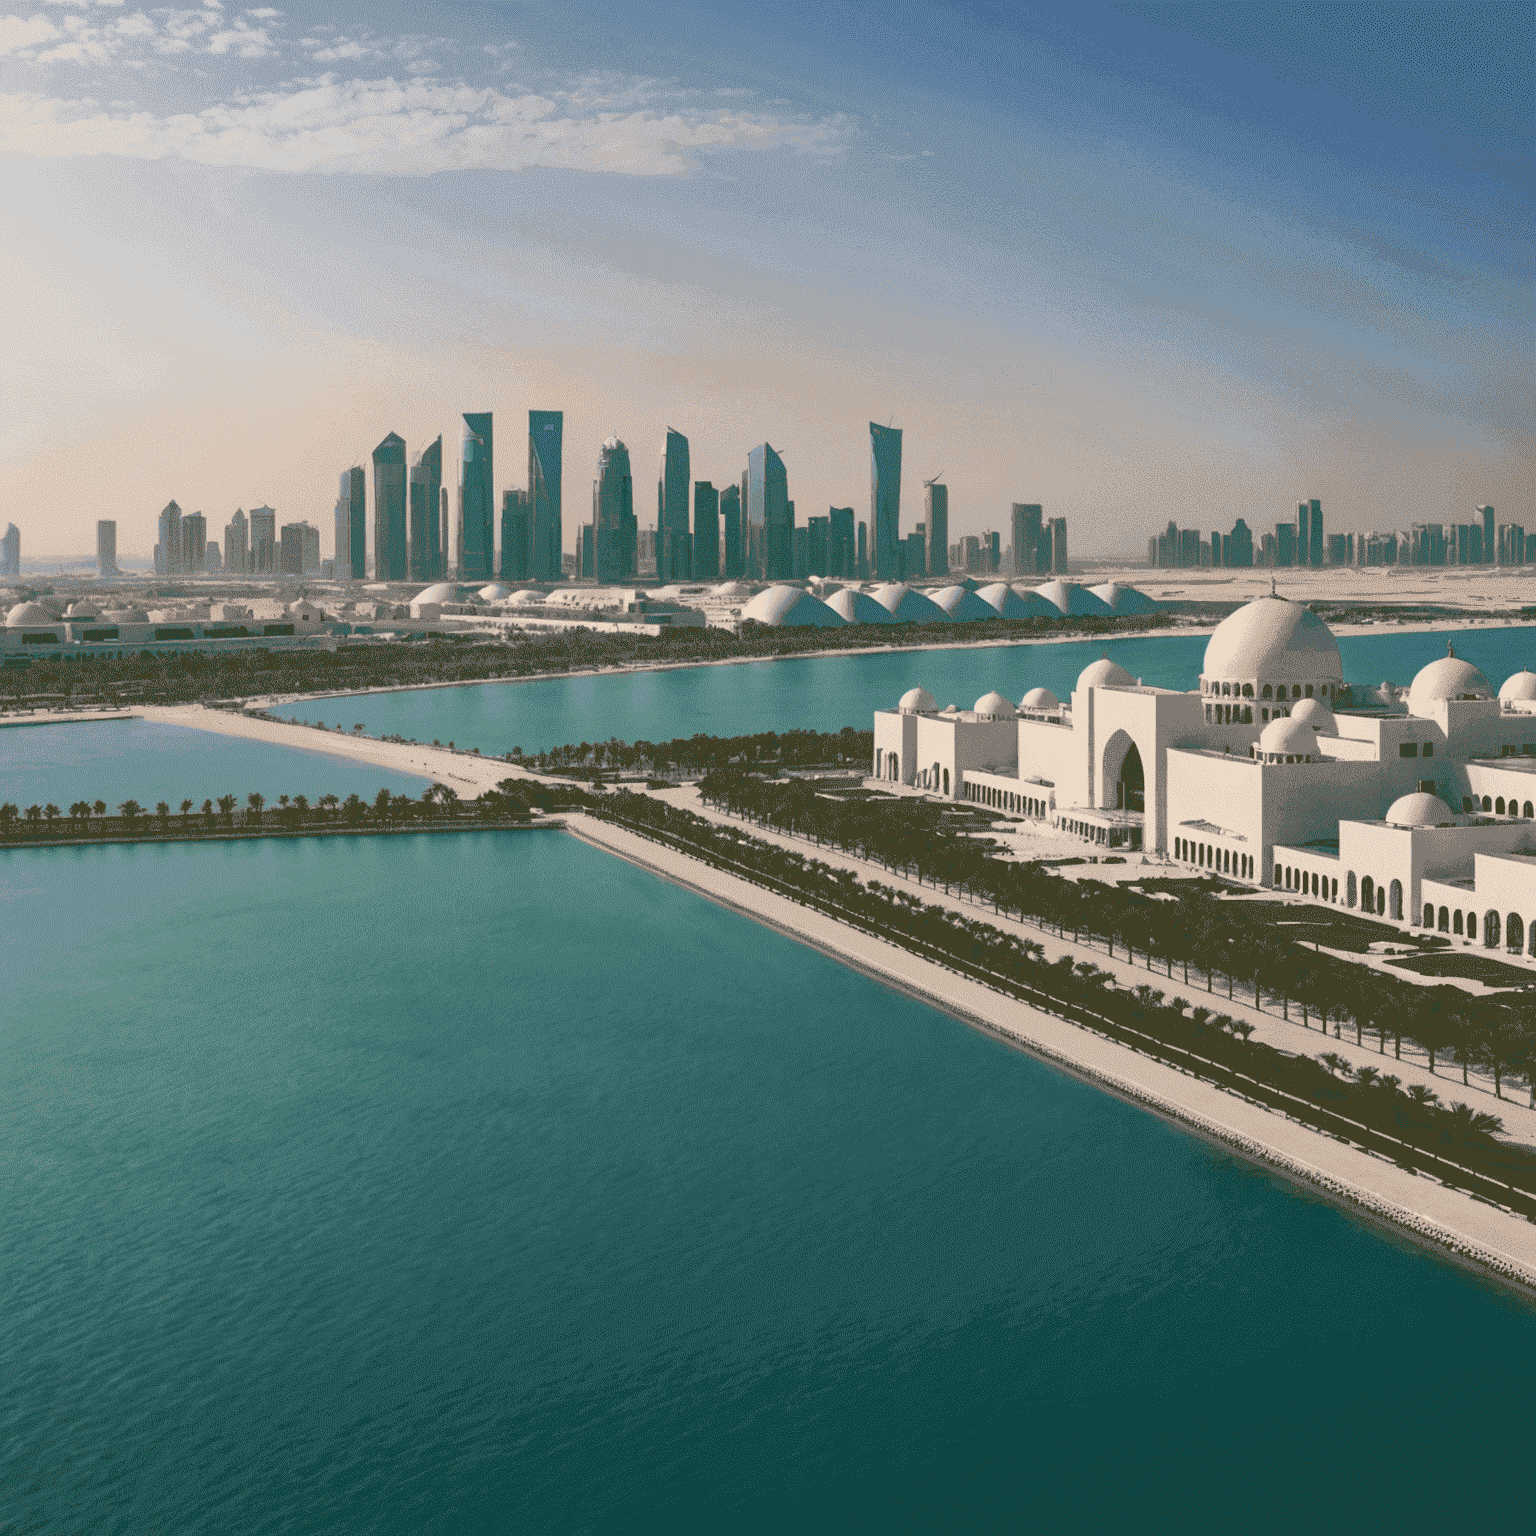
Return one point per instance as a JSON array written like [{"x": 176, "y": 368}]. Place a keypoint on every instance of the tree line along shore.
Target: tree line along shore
[
  {"x": 1452, "y": 1142},
  {"x": 185, "y": 677}
]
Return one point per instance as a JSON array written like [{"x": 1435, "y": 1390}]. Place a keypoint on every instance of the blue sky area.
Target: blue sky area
[{"x": 1217, "y": 257}]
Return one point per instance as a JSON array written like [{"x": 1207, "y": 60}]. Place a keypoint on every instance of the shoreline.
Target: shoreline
[
  {"x": 1478, "y": 1236},
  {"x": 252, "y": 834},
  {"x": 1196, "y": 631}
]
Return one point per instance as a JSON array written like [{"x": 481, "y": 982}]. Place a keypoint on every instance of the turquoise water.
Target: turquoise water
[
  {"x": 829, "y": 692},
  {"x": 144, "y": 760},
  {"x": 499, "y": 1186}
]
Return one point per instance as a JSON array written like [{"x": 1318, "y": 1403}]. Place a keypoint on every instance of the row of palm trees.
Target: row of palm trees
[
  {"x": 1237, "y": 945},
  {"x": 1089, "y": 994},
  {"x": 438, "y": 801}
]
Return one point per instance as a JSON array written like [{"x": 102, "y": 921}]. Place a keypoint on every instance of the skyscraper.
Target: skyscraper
[
  {"x": 885, "y": 499},
  {"x": 546, "y": 433},
  {"x": 1303, "y": 534},
  {"x": 194, "y": 544},
  {"x": 390, "y": 560},
  {"x": 706, "y": 531},
  {"x": 299, "y": 550},
  {"x": 730, "y": 518},
  {"x": 1058, "y": 546},
  {"x": 476, "y": 545},
  {"x": 351, "y": 529},
  {"x": 842, "y": 559},
  {"x": 516, "y": 536},
  {"x": 10, "y": 551},
  {"x": 168, "y": 549},
  {"x": 237, "y": 544},
  {"x": 442, "y": 529},
  {"x": 1490, "y": 544},
  {"x": 106, "y": 549},
  {"x": 615, "y": 533},
  {"x": 936, "y": 526},
  {"x": 1028, "y": 538},
  {"x": 426, "y": 485},
  {"x": 770, "y": 520},
  {"x": 674, "y": 555}
]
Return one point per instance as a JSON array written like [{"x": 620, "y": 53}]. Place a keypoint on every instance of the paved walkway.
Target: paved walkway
[{"x": 1519, "y": 1119}]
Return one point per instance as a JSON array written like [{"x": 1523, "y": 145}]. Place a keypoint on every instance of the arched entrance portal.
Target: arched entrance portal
[{"x": 1130, "y": 788}]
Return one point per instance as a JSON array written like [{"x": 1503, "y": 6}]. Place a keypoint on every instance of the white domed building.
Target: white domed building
[
  {"x": 790, "y": 607},
  {"x": 856, "y": 607},
  {"x": 1417, "y": 806}
]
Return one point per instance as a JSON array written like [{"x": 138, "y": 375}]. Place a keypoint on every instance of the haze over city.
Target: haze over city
[{"x": 1124, "y": 263}]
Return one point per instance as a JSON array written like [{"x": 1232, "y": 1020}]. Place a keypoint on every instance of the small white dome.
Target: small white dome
[
  {"x": 28, "y": 613},
  {"x": 1448, "y": 678},
  {"x": 528, "y": 595},
  {"x": 439, "y": 592},
  {"x": 790, "y": 606},
  {"x": 918, "y": 701},
  {"x": 993, "y": 706},
  {"x": 733, "y": 589},
  {"x": 1521, "y": 687},
  {"x": 1104, "y": 673},
  {"x": 497, "y": 592},
  {"x": 1421, "y": 810},
  {"x": 1039, "y": 698},
  {"x": 126, "y": 616},
  {"x": 82, "y": 609},
  {"x": 1288, "y": 737},
  {"x": 1316, "y": 714}
]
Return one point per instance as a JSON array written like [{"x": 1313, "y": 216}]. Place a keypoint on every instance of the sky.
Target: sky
[{"x": 1132, "y": 262}]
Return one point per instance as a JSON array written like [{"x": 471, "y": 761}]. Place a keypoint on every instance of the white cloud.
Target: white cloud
[
  {"x": 410, "y": 128},
  {"x": 166, "y": 33},
  {"x": 19, "y": 32}
]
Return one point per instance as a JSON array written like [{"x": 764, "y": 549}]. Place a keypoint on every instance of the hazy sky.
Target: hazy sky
[{"x": 1133, "y": 262}]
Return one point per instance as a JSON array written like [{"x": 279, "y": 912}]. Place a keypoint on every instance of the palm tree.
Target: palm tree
[
  {"x": 328, "y": 803},
  {"x": 255, "y": 802},
  {"x": 208, "y": 812},
  {"x": 186, "y": 807},
  {"x": 34, "y": 813},
  {"x": 130, "y": 811},
  {"x": 300, "y": 808},
  {"x": 1366, "y": 1076},
  {"x": 227, "y": 809},
  {"x": 100, "y": 807},
  {"x": 163, "y": 811},
  {"x": 80, "y": 811},
  {"x": 51, "y": 812},
  {"x": 1466, "y": 1122},
  {"x": 1334, "y": 1063}
]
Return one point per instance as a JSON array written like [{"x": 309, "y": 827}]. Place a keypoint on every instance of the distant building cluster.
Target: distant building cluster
[{"x": 1305, "y": 543}]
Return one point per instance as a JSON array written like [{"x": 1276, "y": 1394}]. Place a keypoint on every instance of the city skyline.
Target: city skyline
[{"x": 1143, "y": 246}]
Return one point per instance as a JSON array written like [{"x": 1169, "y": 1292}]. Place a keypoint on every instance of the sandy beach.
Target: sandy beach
[{"x": 1456, "y": 1223}]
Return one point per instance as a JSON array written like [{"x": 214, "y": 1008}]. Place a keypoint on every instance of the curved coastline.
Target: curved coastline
[{"x": 1492, "y": 1242}]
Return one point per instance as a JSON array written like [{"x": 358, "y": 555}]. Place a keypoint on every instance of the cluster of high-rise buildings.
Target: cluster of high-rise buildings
[
  {"x": 253, "y": 545},
  {"x": 1304, "y": 543}
]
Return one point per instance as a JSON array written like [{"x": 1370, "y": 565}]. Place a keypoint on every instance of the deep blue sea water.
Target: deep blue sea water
[
  {"x": 486, "y": 1183},
  {"x": 829, "y": 692},
  {"x": 148, "y": 761}
]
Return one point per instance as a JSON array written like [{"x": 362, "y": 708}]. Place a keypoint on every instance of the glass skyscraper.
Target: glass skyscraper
[
  {"x": 615, "y": 543},
  {"x": 168, "y": 549},
  {"x": 106, "y": 549},
  {"x": 10, "y": 551},
  {"x": 426, "y": 484},
  {"x": 770, "y": 519},
  {"x": 351, "y": 529},
  {"x": 936, "y": 526},
  {"x": 546, "y": 433},
  {"x": 730, "y": 519},
  {"x": 237, "y": 545},
  {"x": 516, "y": 536},
  {"x": 390, "y": 562},
  {"x": 885, "y": 499},
  {"x": 674, "y": 556},
  {"x": 477, "y": 504},
  {"x": 706, "y": 531}
]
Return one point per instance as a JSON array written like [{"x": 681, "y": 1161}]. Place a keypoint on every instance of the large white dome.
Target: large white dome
[
  {"x": 1273, "y": 640},
  {"x": 1105, "y": 673},
  {"x": 993, "y": 706},
  {"x": 855, "y": 607},
  {"x": 1521, "y": 686},
  {"x": 1039, "y": 698},
  {"x": 1011, "y": 604},
  {"x": 790, "y": 606},
  {"x": 908, "y": 606},
  {"x": 28, "y": 613},
  {"x": 1448, "y": 678},
  {"x": 1122, "y": 599},
  {"x": 964, "y": 606}
]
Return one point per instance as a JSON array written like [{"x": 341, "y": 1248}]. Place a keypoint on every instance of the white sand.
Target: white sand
[{"x": 1478, "y": 1233}]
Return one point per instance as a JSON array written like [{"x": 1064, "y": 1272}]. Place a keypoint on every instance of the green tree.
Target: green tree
[
  {"x": 130, "y": 811},
  {"x": 254, "y": 802}
]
